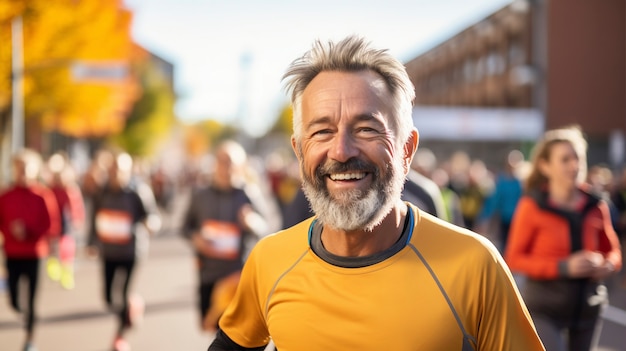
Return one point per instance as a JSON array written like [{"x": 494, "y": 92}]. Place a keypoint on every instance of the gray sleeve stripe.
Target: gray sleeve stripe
[
  {"x": 466, "y": 337},
  {"x": 269, "y": 296}
]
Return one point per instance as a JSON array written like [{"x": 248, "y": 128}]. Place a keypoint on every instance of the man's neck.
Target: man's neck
[{"x": 358, "y": 243}]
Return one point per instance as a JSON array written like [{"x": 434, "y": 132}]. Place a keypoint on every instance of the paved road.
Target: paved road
[{"x": 77, "y": 320}]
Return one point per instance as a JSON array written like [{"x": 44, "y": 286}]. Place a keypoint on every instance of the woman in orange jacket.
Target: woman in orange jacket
[{"x": 562, "y": 240}]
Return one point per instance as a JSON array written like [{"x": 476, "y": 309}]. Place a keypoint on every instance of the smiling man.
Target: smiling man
[{"x": 369, "y": 271}]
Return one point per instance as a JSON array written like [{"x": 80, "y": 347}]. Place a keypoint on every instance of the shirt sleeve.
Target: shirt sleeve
[{"x": 504, "y": 320}]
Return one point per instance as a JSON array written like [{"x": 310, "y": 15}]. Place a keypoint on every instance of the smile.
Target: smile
[{"x": 347, "y": 176}]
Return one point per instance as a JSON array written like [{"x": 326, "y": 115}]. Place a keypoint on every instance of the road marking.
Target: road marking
[{"x": 615, "y": 315}]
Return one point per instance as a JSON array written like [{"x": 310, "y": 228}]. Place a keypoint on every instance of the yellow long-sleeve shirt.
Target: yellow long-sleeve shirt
[{"x": 445, "y": 288}]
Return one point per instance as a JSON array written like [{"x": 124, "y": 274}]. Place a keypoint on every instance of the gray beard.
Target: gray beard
[{"x": 356, "y": 209}]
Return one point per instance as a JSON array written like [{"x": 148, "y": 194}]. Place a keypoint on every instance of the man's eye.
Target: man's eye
[
  {"x": 321, "y": 132},
  {"x": 367, "y": 130}
]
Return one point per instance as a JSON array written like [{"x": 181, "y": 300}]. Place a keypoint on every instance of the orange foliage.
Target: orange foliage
[{"x": 57, "y": 34}]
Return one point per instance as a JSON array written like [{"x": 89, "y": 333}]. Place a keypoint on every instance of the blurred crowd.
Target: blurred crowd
[{"x": 226, "y": 201}]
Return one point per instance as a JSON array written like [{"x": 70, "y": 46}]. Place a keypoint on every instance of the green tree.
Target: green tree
[
  {"x": 284, "y": 122},
  {"x": 152, "y": 116}
]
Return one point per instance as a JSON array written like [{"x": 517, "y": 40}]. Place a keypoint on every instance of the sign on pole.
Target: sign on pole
[{"x": 99, "y": 71}]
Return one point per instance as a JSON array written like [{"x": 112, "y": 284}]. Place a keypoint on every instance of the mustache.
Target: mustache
[{"x": 352, "y": 164}]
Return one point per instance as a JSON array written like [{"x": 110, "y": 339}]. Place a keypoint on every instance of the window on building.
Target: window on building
[
  {"x": 468, "y": 70},
  {"x": 479, "y": 69},
  {"x": 495, "y": 62},
  {"x": 515, "y": 52}
]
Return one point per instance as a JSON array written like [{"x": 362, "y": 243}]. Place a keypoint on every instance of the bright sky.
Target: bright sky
[{"x": 229, "y": 55}]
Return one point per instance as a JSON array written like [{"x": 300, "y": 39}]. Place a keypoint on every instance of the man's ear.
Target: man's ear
[
  {"x": 296, "y": 150},
  {"x": 409, "y": 149}
]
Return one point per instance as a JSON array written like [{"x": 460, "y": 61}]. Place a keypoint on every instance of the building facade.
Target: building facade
[{"x": 528, "y": 67}]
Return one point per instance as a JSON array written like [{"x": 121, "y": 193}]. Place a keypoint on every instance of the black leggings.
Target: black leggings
[
  {"x": 111, "y": 269},
  {"x": 29, "y": 269},
  {"x": 205, "y": 290}
]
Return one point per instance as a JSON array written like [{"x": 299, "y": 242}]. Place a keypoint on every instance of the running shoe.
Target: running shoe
[
  {"x": 119, "y": 344},
  {"x": 67, "y": 277},
  {"x": 53, "y": 267}
]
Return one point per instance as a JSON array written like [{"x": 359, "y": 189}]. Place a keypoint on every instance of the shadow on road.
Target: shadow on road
[{"x": 151, "y": 308}]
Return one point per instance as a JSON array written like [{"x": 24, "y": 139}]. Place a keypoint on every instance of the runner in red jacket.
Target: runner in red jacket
[{"x": 28, "y": 218}]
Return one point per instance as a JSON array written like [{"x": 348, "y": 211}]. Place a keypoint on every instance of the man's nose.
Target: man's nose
[{"x": 343, "y": 147}]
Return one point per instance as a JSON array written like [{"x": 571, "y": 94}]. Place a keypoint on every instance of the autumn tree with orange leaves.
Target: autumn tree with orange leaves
[{"x": 58, "y": 36}]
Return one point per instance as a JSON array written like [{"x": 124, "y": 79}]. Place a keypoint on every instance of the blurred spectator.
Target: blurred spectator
[
  {"x": 470, "y": 180},
  {"x": 451, "y": 200},
  {"x": 425, "y": 194},
  {"x": 162, "y": 187},
  {"x": 425, "y": 162},
  {"x": 561, "y": 238},
  {"x": 219, "y": 218},
  {"x": 298, "y": 207},
  {"x": 619, "y": 200},
  {"x": 28, "y": 219},
  {"x": 419, "y": 189},
  {"x": 257, "y": 185},
  {"x": 600, "y": 180},
  {"x": 69, "y": 200},
  {"x": 121, "y": 223},
  {"x": 297, "y": 210},
  {"x": 278, "y": 176},
  {"x": 500, "y": 204}
]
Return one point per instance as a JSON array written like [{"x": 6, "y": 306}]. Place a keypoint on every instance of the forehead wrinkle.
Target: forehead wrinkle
[
  {"x": 316, "y": 121},
  {"x": 373, "y": 116}
]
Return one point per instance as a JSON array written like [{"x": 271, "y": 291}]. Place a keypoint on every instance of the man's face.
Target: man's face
[{"x": 351, "y": 167}]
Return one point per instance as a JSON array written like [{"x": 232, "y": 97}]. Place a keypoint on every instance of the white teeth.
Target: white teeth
[{"x": 347, "y": 176}]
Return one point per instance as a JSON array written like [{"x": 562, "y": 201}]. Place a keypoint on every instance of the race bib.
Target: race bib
[
  {"x": 114, "y": 227},
  {"x": 222, "y": 238}
]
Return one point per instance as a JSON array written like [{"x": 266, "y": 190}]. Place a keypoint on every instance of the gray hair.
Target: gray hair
[{"x": 352, "y": 54}]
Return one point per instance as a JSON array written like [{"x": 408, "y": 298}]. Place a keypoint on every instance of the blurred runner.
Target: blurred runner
[
  {"x": 218, "y": 220},
  {"x": 121, "y": 225},
  {"x": 28, "y": 218},
  {"x": 69, "y": 200}
]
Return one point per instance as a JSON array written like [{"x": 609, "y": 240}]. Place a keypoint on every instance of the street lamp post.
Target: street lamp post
[{"x": 17, "y": 76}]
